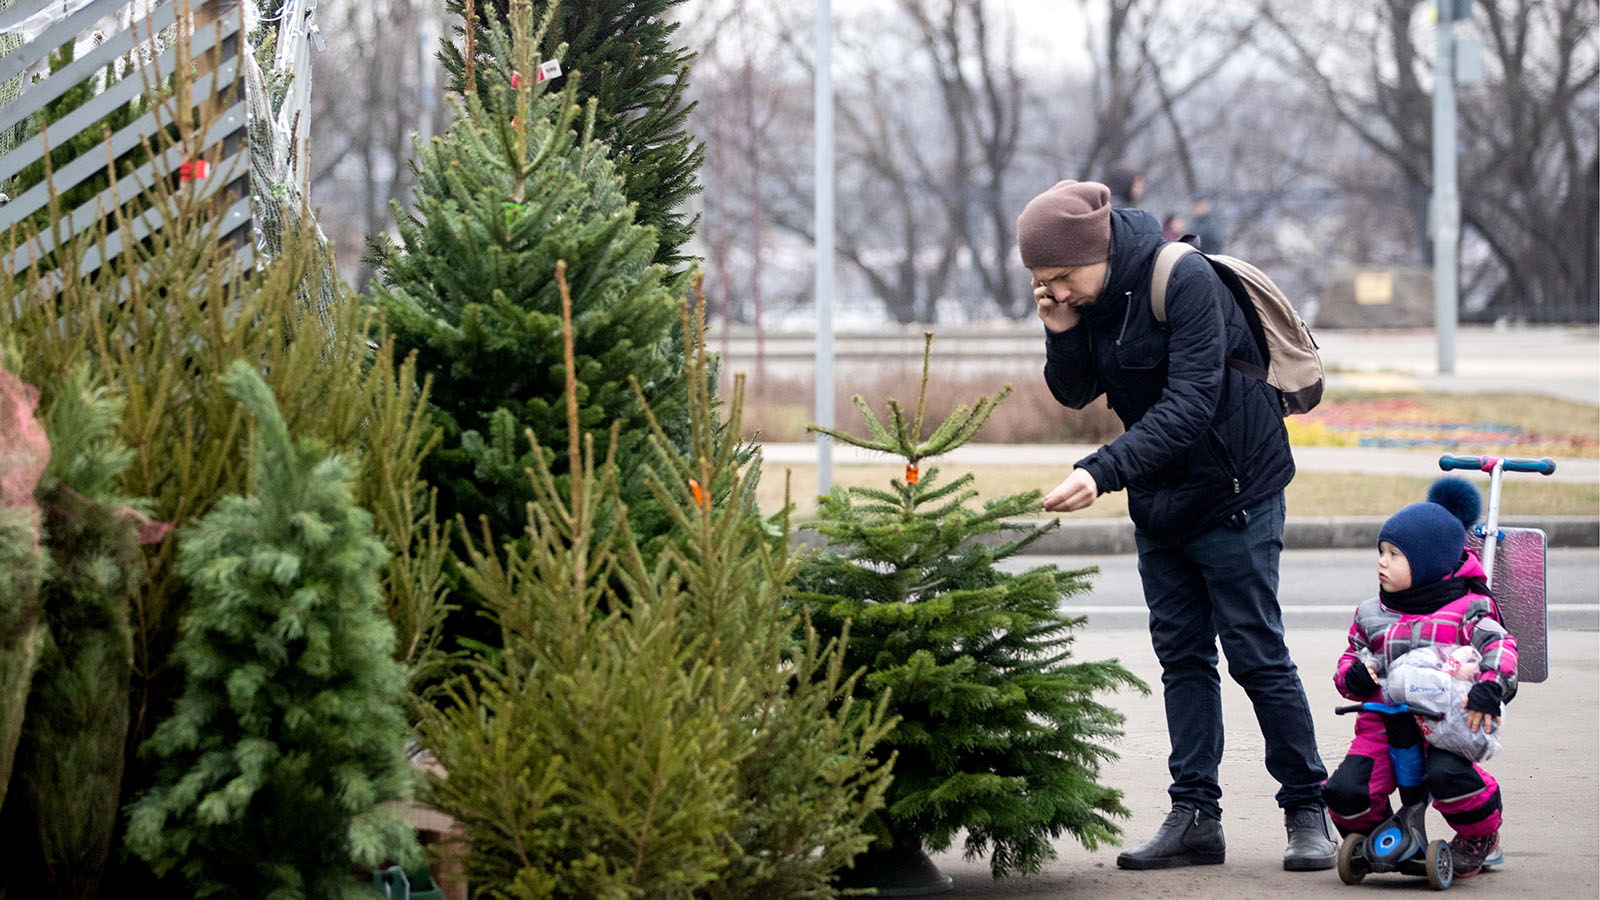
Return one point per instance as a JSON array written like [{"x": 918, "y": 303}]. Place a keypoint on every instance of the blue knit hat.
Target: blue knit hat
[{"x": 1433, "y": 534}]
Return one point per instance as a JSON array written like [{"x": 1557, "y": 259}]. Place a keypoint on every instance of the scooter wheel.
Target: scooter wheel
[
  {"x": 1352, "y": 860},
  {"x": 1441, "y": 866}
]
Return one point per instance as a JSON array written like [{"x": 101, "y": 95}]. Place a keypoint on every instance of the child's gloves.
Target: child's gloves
[
  {"x": 1359, "y": 681},
  {"x": 1484, "y": 697}
]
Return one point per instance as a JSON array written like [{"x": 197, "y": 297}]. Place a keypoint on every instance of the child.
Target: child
[{"x": 1431, "y": 591}]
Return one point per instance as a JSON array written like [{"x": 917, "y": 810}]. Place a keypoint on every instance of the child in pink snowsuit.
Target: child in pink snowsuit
[{"x": 1431, "y": 591}]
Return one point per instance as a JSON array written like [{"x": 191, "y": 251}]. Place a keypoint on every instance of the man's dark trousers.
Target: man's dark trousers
[{"x": 1223, "y": 583}]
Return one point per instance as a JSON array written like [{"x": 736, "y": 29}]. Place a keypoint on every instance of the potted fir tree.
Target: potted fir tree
[{"x": 999, "y": 731}]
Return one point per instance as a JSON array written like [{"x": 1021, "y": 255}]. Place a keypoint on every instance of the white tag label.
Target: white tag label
[{"x": 550, "y": 68}]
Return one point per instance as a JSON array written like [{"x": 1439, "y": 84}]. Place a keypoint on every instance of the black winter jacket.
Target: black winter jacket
[{"x": 1203, "y": 440}]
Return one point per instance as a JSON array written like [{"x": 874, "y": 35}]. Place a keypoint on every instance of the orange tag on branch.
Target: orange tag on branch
[
  {"x": 700, "y": 498},
  {"x": 911, "y": 473}
]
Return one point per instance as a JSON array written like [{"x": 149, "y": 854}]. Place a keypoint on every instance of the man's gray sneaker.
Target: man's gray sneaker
[
  {"x": 1187, "y": 838},
  {"x": 1312, "y": 843}
]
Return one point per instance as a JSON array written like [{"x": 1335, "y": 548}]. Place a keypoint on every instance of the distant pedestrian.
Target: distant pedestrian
[
  {"x": 1126, "y": 182},
  {"x": 1172, "y": 227},
  {"x": 1205, "y": 225},
  {"x": 1204, "y": 458},
  {"x": 1431, "y": 592}
]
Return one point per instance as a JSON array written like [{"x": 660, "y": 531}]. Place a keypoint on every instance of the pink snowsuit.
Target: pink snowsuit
[{"x": 1465, "y": 794}]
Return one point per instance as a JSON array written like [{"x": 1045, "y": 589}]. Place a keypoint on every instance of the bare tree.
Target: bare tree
[
  {"x": 1529, "y": 171},
  {"x": 376, "y": 86}
]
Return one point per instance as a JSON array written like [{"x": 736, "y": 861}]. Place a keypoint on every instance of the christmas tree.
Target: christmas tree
[
  {"x": 471, "y": 289},
  {"x": 289, "y": 733},
  {"x": 24, "y": 453},
  {"x": 1000, "y": 733},
  {"x": 622, "y": 55},
  {"x": 59, "y": 818}
]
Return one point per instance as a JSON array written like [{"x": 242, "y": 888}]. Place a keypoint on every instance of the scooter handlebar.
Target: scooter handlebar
[
  {"x": 1543, "y": 466},
  {"x": 1391, "y": 709}
]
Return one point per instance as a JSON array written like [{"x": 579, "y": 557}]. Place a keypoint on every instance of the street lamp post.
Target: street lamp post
[
  {"x": 824, "y": 242},
  {"x": 1446, "y": 203}
]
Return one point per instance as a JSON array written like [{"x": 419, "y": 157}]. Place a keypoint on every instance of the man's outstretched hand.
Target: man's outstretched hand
[{"x": 1077, "y": 492}]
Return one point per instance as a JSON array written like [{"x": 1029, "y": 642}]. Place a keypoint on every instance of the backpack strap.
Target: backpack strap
[{"x": 1166, "y": 258}]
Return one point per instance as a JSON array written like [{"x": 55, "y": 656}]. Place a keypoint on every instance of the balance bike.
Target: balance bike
[{"x": 1400, "y": 843}]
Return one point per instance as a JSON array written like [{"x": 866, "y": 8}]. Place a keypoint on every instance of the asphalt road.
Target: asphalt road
[
  {"x": 1320, "y": 588},
  {"x": 1548, "y": 768}
]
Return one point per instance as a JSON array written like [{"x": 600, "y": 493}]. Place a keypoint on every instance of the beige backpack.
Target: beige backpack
[{"x": 1293, "y": 366}]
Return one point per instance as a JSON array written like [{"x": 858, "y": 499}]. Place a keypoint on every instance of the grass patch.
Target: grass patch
[
  {"x": 1310, "y": 494},
  {"x": 1514, "y": 424},
  {"x": 1531, "y": 412}
]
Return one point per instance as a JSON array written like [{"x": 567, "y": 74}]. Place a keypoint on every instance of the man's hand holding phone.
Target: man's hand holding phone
[{"x": 1056, "y": 315}]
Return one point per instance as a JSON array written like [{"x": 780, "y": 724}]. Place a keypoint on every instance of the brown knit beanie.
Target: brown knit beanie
[{"x": 1068, "y": 225}]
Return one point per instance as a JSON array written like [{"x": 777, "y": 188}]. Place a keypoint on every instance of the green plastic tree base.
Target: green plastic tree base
[{"x": 897, "y": 872}]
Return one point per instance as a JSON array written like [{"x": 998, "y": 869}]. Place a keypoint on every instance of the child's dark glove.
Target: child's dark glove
[
  {"x": 1359, "y": 681},
  {"x": 1485, "y": 698}
]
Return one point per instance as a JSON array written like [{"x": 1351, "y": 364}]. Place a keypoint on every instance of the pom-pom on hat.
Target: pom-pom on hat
[
  {"x": 1068, "y": 225},
  {"x": 1433, "y": 534}
]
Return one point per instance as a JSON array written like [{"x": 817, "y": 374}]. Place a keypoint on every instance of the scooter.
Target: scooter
[{"x": 1400, "y": 843}]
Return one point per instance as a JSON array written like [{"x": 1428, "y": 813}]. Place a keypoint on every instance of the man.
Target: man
[
  {"x": 1205, "y": 459},
  {"x": 1126, "y": 182},
  {"x": 1206, "y": 226}
]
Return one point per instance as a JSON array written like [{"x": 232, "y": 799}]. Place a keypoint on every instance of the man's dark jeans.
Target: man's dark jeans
[{"x": 1224, "y": 584}]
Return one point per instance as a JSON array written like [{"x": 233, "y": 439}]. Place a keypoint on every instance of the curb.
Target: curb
[{"x": 1113, "y": 537}]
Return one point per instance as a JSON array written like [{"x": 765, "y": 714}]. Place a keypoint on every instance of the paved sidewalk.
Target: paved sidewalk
[
  {"x": 1115, "y": 535},
  {"x": 1355, "y": 460},
  {"x": 1548, "y": 772}
]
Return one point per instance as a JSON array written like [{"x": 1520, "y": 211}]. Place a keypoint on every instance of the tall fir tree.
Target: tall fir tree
[
  {"x": 806, "y": 780},
  {"x": 1000, "y": 732},
  {"x": 289, "y": 734},
  {"x": 470, "y": 288},
  {"x": 584, "y": 760},
  {"x": 693, "y": 682},
  {"x": 622, "y": 55}
]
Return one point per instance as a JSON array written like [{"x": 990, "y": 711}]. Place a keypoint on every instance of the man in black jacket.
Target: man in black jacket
[{"x": 1205, "y": 459}]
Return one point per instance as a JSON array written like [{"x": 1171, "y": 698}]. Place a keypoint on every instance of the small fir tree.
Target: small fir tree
[
  {"x": 470, "y": 289},
  {"x": 289, "y": 733},
  {"x": 158, "y": 324},
  {"x": 622, "y": 55},
  {"x": 1000, "y": 733}
]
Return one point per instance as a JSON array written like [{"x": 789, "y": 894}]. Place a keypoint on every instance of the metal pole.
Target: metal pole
[
  {"x": 1446, "y": 204},
  {"x": 1491, "y": 525},
  {"x": 824, "y": 242}
]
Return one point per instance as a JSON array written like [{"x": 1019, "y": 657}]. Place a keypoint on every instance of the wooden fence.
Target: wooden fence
[{"x": 124, "y": 47}]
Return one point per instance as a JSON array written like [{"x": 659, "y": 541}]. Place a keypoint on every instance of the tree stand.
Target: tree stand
[{"x": 903, "y": 870}]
